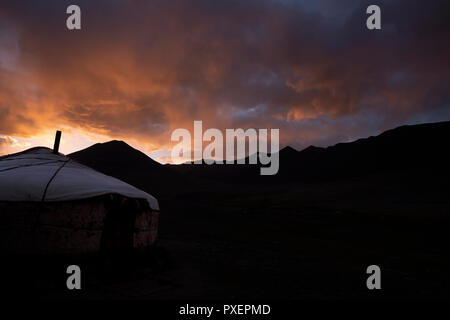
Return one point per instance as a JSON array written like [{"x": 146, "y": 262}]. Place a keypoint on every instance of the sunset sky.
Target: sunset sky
[{"x": 137, "y": 70}]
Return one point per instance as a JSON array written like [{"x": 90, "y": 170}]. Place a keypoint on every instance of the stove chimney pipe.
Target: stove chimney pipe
[{"x": 57, "y": 140}]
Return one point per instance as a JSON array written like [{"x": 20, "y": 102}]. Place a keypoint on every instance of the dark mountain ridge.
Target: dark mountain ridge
[
  {"x": 418, "y": 148},
  {"x": 411, "y": 147}
]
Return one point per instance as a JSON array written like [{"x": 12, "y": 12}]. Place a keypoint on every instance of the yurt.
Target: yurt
[{"x": 52, "y": 204}]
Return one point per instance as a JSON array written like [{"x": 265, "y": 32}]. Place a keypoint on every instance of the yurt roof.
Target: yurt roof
[{"x": 38, "y": 174}]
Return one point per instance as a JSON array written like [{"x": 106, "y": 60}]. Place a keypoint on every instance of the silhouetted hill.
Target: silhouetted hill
[
  {"x": 114, "y": 156},
  {"x": 421, "y": 147},
  {"x": 118, "y": 159},
  {"x": 288, "y": 152},
  {"x": 414, "y": 147}
]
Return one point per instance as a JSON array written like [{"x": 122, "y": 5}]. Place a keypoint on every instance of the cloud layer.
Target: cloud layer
[{"x": 139, "y": 69}]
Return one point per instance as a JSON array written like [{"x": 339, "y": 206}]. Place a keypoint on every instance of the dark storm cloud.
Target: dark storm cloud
[{"x": 143, "y": 68}]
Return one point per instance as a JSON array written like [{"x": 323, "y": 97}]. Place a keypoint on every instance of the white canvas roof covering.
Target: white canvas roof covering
[{"x": 38, "y": 174}]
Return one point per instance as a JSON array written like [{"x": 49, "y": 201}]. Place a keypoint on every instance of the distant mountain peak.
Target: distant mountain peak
[
  {"x": 115, "y": 142},
  {"x": 311, "y": 147},
  {"x": 288, "y": 152},
  {"x": 114, "y": 151},
  {"x": 288, "y": 149}
]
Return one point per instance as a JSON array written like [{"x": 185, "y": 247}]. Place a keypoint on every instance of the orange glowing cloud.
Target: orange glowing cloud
[{"x": 138, "y": 70}]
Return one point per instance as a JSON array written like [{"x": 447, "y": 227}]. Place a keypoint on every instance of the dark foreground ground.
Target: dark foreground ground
[{"x": 309, "y": 241}]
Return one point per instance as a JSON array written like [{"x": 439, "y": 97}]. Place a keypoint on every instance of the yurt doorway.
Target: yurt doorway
[{"x": 119, "y": 227}]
